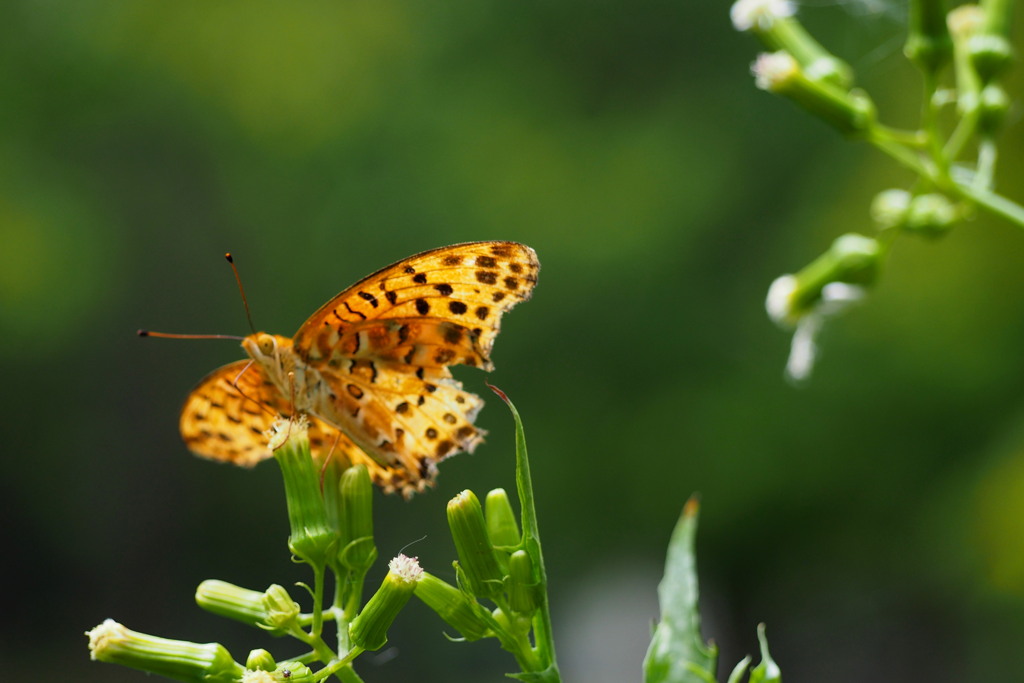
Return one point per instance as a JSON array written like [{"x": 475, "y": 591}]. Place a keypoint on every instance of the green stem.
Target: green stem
[
  {"x": 961, "y": 135},
  {"x": 349, "y": 675},
  {"x": 318, "y": 601},
  {"x": 323, "y": 652},
  {"x": 339, "y": 667},
  {"x": 880, "y": 138},
  {"x": 995, "y": 203},
  {"x": 930, "y": 124},
  {"x": 987, "y": 155}
]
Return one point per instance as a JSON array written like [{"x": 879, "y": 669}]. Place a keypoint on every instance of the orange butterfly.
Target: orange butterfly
[{"x": 370, "y": 368}]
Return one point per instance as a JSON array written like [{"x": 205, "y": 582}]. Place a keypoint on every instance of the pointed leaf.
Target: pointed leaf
[{"x": 677, "y": 653}]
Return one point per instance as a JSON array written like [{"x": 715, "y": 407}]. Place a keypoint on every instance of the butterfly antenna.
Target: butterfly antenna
[
  {"x": 241, "y": 289},
  {"x": 170, "y": 335}
]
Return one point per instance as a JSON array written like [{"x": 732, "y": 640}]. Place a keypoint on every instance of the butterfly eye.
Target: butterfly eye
[{"x": 267, "y": 344}]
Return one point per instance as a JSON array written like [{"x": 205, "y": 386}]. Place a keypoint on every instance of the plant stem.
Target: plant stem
[
  {"x": 318, "y": 601},
  {"x": 996, "y": 203}
]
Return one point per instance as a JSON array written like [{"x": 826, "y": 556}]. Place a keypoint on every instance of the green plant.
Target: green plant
[
  {"x": 962, "y": 55},
  {"x": 501, "y": 589}
]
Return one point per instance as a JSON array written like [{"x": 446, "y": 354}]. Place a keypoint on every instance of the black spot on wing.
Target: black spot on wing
[{"x": 369, "y": 297}]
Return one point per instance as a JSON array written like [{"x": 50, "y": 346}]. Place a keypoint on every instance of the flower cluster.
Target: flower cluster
[
  {"x": 969, "y": 47},
  {"x": 329, "y": 510}
]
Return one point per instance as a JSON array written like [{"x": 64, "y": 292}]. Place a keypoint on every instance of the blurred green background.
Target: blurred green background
[{"x": 872, "y": 518}]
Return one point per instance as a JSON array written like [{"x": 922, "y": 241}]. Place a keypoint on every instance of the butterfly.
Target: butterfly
[{"x": 370, "y": 368}]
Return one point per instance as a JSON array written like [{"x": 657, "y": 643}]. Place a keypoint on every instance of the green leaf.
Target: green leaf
[
  {"x": 677, "y": 653},
  {"x": 544, "y": 651},
  {"x": 737, "y": 671}
]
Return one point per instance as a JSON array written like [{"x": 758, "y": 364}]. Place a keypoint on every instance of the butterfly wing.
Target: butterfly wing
[
  {"x": 228, "y": 413},
  {"x": 383, "y": 347},
  {"x": 434, "y": 309}
]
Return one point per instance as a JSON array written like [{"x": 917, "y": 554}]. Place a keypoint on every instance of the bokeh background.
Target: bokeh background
[{"x": 872, "y": 518}]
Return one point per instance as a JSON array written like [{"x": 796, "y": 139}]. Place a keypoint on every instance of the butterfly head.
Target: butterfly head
[{"x": 269, "y": 350}]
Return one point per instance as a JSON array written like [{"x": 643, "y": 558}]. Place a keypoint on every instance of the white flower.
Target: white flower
[
  {"x": 745, "y": 14},
  {"x": 836, "y": 297},
  {"x": 773, "y": 69},
  {"x": 779, "y": 302},
  {"x": 284, "y": 429},
  {"x": 405, "y": 568}
]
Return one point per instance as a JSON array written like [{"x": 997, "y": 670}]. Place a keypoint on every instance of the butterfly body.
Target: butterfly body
[{"x": 370, "y": 367}]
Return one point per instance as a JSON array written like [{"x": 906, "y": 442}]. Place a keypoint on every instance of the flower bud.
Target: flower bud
[
  {"x": 285, "y": 672},
  {"x": 502, "y": 528},
  {"x": 889, "y": 208},
  {"x": 260, "y": 660},
  {"x": 176, "y": 659},
  {"x": 930, "y": 215},
  {"x": 272, "y": 610},
  {"x": 850, "y": 112},
  {"x": 476, "y": 555},
  {"x": 774, "y": 22},
  {"x": 370, "y": 628},
  {"x": 990, "y": 49},
  {"x": 993, "y": 104},
  {"x": 455, "y": 607},
  {"x": 281, "y": 610},
  {"x": 522, "y": 587},
  {"x": 928, "y": 44},
  {"x": 990, "y": 54},
  {"x": 311, "y": 540},
  {"x": 356, "y": 549},
  {"x": 851, "y": 260}
]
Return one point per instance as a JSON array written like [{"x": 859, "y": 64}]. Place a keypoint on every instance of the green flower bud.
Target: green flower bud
[
  {"x": 930, "y": 215},
  {"x": 773, "y": 21},
  {"x": 454, "y": 606},
  {"x": 522, "y": 587},
  {"x": 993, "y": 104},
  {"x": 231, "y": 601},
  {"x": 260, "y": 660},
  {"x": 852, "y": 261},
  {"x": 889, "y": 208},
  {"x": 356, "y": 549},
  {"x": 370, "y": 628},
  {"x": 476, "y": 555},
  {"x": 850, "y": 112},
  {"x": 311, "y": 540},
  {"x": 285, "y": 672},
  {"x": 502, "y": 528},
  {"x": 512, "y": 623},
  {"x": 280, "y": 609},
  {"x": 990, "y": 55},
  {"x": 928, "y": 44},
  {"x": 272, "y": 610},
  {"x": 175, "y": 659},
  {"x": 990, "y": 49}
]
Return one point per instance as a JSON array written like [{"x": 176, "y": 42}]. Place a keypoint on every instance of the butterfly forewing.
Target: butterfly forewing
[{"x": 437, "y": 308}]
